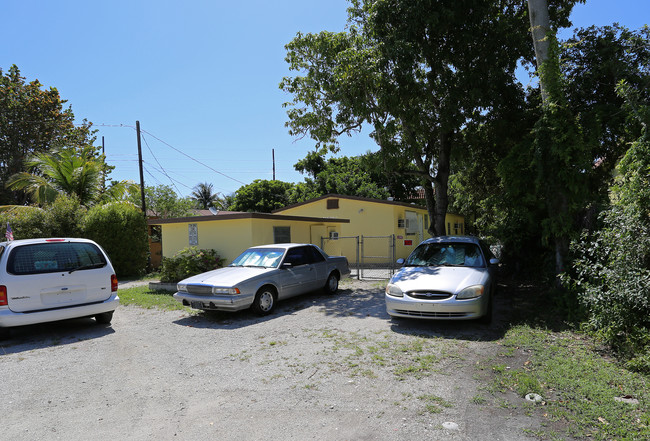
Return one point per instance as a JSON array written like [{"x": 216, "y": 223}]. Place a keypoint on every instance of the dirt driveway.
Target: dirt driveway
[{"x": 320, "y": 368}]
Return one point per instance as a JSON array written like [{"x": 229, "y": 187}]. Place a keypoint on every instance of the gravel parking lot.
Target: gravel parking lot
[{"x": 320, "y": 368}]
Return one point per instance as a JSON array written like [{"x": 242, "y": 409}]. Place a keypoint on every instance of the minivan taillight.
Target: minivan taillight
[
  {"x": 3, "y": 295},
  {"x": 113, "y": 283}
]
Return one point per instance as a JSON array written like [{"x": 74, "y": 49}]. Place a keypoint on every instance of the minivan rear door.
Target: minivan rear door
[{"x": 56, "y": 275}]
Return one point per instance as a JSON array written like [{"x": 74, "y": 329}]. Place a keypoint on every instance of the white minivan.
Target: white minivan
[{"x": 45, "y": 280}]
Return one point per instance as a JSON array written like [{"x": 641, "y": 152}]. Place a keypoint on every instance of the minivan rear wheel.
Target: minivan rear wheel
[{"x": 104, "y": 318}]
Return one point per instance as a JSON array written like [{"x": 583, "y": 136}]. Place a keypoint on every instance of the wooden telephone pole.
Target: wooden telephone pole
[{"x": 144, "y": 205}]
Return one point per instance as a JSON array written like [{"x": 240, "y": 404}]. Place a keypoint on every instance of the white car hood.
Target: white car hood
[
  {"x": 228, "y": 276},
  {"x": 452, "y": 279}
]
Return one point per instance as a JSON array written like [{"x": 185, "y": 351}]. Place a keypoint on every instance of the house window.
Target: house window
[
  {"x": 448, "y": 228},
  {"x": 411, "y": 223},
  {"x": 332, "y": 204},
  {"x": 193, "y": 230},
  {"x": 281, "y": 234}
]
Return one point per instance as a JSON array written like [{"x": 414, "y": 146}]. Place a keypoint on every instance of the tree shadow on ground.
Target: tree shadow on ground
[{"x": 517, "y": 302}]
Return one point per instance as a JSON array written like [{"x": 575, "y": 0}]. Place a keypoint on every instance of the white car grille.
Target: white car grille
[
  {"x": 429, "y": 295},
  {"x": 200, "y": 290}
]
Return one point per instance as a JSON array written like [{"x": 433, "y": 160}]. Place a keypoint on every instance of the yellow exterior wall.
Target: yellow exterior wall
[
  {"x": 368, "y": 218},
  {"x": 455, "y": 224},
  {"x": 371, "y": 218},
  {"x": 232, "y": 236}
]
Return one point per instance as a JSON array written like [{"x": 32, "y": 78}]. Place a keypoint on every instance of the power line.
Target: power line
[
  {"x": 170, "y": 178},
  {"x": 159, "y": 164},
  {"x": 193, "y": 159}
]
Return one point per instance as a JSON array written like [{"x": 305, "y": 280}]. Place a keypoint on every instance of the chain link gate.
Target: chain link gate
[
  {"x": 370, "y": 257},
  {"x": 377, "y": 257}
]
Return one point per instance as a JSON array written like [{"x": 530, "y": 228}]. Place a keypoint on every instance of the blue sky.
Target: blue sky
[{"x": 201, "y": 77}]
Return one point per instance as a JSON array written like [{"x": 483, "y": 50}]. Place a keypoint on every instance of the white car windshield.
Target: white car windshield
[
  {"x": 446, "y": 254},
  {"x": 259, "y": 257}
]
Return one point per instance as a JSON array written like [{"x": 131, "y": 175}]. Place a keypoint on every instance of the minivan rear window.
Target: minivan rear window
[{"x": 54, "y": 257}]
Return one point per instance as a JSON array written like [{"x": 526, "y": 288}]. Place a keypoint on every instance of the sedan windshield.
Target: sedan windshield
[
  {"x": 259, "y": 257},
  {"x": 446, "y": 254}
]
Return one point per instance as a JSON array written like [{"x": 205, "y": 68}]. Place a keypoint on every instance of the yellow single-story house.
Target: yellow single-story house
[
  {"x": 230, "y": 233},
  {"x": 371, "y": 220},
  {"x": 368, "y": 231}
]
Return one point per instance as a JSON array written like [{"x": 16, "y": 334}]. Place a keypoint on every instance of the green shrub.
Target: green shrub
[
  {"x": 25, "y": 222},
  {"x": 611, "y": 269},
  {"x": 120, "y": 228},
  {"x": 188, "y": 262},
  {"x": 64, "y": 217}
]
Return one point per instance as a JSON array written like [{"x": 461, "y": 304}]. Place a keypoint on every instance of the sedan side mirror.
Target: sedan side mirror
[
  {"x": 400, "y": 261},
  {"x": 494, "y": 261},
  {"x": 286, "y": 265}
]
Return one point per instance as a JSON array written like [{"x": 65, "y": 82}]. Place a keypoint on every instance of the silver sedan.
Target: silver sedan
[
  {"x": 261, "y": 276},
  {"x": 444, "y": 278}
]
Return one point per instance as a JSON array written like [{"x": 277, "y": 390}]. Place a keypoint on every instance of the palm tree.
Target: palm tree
[
  {"x": 204, "y": 197},
  {"x": 65, "y": 171}
]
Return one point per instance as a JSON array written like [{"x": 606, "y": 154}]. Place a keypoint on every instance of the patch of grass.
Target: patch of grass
[
  {"x": 434, "y": 404},
  {"x": 578, "y": 385},
  {"x": 479, "y": 399},
  {"x": 277, "y": 343},
  {"x": 144, "y": 297}
]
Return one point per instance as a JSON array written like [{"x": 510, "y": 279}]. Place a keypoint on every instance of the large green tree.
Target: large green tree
[
  {"x": 262, "y": 196},
  {"x": 417, "y": 72},
  {"x": 163, "y": 202},
  {"x": 32, "y": 120},
  {"x": 366, "y": 176},
  {"x": 594, "y": 60}
]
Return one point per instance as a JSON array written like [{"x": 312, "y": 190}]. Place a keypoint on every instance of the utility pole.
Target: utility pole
[
  {"x": 104, "y": 167},
  {"x": 273, "y": 151},
  {"x": 144, "y": 206}
]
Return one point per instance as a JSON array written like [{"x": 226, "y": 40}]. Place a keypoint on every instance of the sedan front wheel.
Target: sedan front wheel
[{"x": 264, "y": 301}]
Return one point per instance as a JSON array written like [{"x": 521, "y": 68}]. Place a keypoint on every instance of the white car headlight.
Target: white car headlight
[
  {"x": 394, "y": 290},
  {"x": 471, "y": 292},
  {"x": 220, "y": 290},
  {"x": 181, "y": 287}
]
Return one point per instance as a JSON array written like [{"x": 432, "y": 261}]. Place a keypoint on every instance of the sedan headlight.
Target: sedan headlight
[
  {"x": 471, "y": 292},
  {"x": 394, "y": 290},
  {"x": 220, "y": 290},
  {"x": 181, "y": 287}
]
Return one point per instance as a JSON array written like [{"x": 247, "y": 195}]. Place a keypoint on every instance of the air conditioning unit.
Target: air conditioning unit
[
  {"x": 334, "y": 235},
  {"x": 401, "y": 223}
]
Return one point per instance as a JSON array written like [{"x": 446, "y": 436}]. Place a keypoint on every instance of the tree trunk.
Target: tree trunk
[
  {"x": 540, "y": 24},
  {"x": 442, "y": 184},
  {"x": 539, "y": 27}
]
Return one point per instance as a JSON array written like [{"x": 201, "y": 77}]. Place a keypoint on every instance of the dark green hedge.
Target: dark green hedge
[
  {"x": 121, "y": 229},
  {"x": 118, "y": 227}
]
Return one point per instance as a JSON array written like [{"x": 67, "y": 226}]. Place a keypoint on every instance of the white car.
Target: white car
[
  {"x": 46, "y": 280},
  {"x": 444, "y": 278},
  {"x": 261, "y": 276}
]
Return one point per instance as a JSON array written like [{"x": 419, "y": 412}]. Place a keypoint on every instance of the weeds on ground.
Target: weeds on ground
[
  {"x": 416, "y": 356},
  {"x": 434, "y": 404},
  {"x": 594, "y": 397}
]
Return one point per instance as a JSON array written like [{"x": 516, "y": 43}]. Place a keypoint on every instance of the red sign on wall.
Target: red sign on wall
[{"x": 408, "y": 242}]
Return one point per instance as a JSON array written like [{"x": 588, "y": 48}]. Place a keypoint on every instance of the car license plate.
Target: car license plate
[{"x": 196, "y": 304}]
